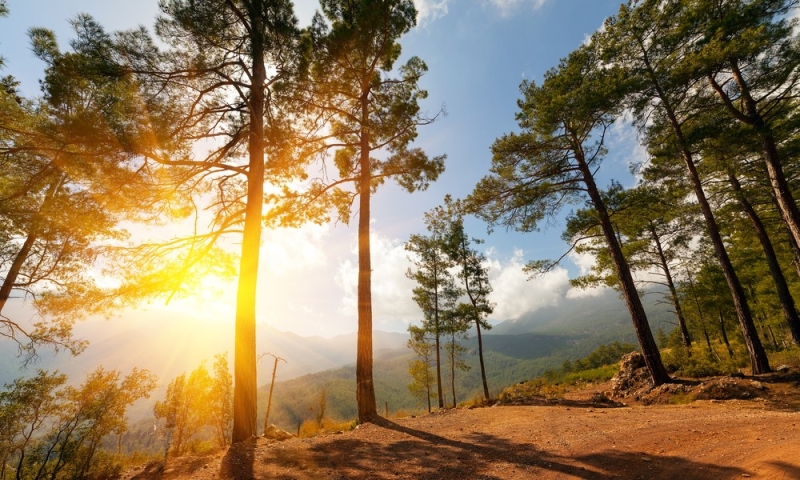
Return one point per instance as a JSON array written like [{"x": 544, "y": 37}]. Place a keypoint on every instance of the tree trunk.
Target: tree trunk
[
  {"x": 781, "y": 285},
  {"x": 453, "y": 366},
  {"x": 795, "y": 249},
  {"x": 365, "y": 389},
  {"x": 759, "y": 363},
  {"x": 772, "y": 335},
  {"x": 758, "y": 357},
  {"x": 438, "y": 364},
  {"x": 725, "y": 334},
  {"x": 269, "y": 398},
  {"x": 22, "y": 255},
  {"x": 245, "y": 392},
  {"x": 708, "y": 342},
  {"x": 474, "y": 303},
  {"x": 428, "y": 385},
  {"x": 687, "y": 340},
  {"x": 16, "y": 267},
  {"x": 437, "y": 333},
  {"x": 486, "y": 395},
  {"x": 777, "y": 178},
  {"x": 652, "y": 356}
]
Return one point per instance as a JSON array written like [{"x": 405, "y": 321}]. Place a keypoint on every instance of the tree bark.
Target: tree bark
[
  {"x": 437, "y": 333},
  {"x": 453, "y": 366},
  {"x": 245, "y": 392},
  {"x": 781, "y": 285},
  {"x": 365, "y": 389},
  {"x": 759, "y": 363},
  {"x": 486, "y": 395},
  {"x": 16, "y": 267},
  {"x": 687, "y": 340},
  {"x": 652, "y": 356},
  {"x": 33, "y": 235},
  {"x": 725, "y": 334},
  {"x": 780, "y": 187}
]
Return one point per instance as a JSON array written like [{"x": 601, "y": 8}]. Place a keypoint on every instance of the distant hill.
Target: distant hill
[
  {"x": 582, "y": 316},
  {"x": 171, "y": 346},
  {"x": 514, "y": 351}
]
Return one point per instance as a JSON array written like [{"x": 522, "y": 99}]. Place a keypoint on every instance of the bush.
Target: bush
[
  {"x": 701, "y": 363},
  {"x": 599, "y": 374},
  {"x": 311, "y": 428}
]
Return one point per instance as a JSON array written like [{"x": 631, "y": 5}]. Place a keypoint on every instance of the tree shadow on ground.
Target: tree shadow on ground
[
  {"x": 413, "y": 453},
  {"x": 541, "y": 401},
  {"x": 238, "y": 461},
  {"x": 792, "y": 471}
]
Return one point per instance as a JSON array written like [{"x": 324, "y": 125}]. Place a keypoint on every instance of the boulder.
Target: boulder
[
  {"x": 633, "y": 379},
  {"x": 275, "y": 433}
]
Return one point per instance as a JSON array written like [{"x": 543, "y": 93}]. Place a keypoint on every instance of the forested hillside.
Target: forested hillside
[{"x": 527, "y": 347}]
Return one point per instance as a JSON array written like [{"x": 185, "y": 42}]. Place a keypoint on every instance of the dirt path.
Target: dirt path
[{"x": 701, "y": 440}]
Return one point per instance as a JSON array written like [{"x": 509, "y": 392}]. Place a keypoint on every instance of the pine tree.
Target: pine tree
[
  {"x": 553, "y": 161},
  {"x": 355, "y": 47}
]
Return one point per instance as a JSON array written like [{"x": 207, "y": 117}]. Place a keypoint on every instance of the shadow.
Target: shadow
[
  {"x": 153, "y": 470},
  {"x": 239, "y": 460},
  {"x": 408, "y": 453},
  {"x": 538, "y": 401},
  {"x": 791, "y": 471},
  {"x": 785, "y": 388}
]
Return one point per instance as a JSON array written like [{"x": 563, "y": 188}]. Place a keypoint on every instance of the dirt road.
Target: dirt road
[{"x": 701, "y": 440}]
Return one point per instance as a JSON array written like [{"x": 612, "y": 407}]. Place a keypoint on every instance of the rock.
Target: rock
[
  {"x": 758, "y": 385},
  {"x": 275, "y": 433},
  {"x": 783, "y": 369},
  {"x": 633, "y": 379}
]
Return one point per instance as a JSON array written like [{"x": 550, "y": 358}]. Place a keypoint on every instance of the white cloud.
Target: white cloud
[
  {"x": 392, "y": 306},
  {"x": 507, "y": 7},
  {"x": 515, "y": 295},
  {"x": 623, "y": 140},
  {"x": 393, "y": 309},
  {"x": 430, "y": 10},
  {"x": 284, "y": 249},
  {"x": 584, "y": 262}
]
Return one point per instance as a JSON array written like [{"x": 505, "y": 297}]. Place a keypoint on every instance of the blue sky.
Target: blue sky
[{"x": 477, "y": 53}]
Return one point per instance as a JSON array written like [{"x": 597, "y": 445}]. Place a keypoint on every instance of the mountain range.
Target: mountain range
[{"x": 515, "y": 350}]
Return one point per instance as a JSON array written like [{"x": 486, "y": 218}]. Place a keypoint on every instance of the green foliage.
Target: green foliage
[
  {"x": 56, "y": 431},
  {"x": 699, "y": 362},
  {"x": 67, "y": 180},
  {"x": 600, "y": 365},
  {"x": 194, "y": 402},
  {"x": 221, "y": 400},
  {"x": 591, "y": 375},
  {"x": 421, "y": 368}
]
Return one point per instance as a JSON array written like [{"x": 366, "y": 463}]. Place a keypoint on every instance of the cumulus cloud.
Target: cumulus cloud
[
  {"x": 286, "y": 249},
  {"x": 392, "y": 306},
  {"x": 585, "y": 262},
  {"x": 514, "y": 295},
  {"x": 430, "y": 10},
  {"x": 507, "y": 7}
]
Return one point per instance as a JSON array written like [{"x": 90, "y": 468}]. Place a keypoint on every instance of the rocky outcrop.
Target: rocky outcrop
[
  {"x": 275, "y": 433},
  {"x": 633, "y": 379}
]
